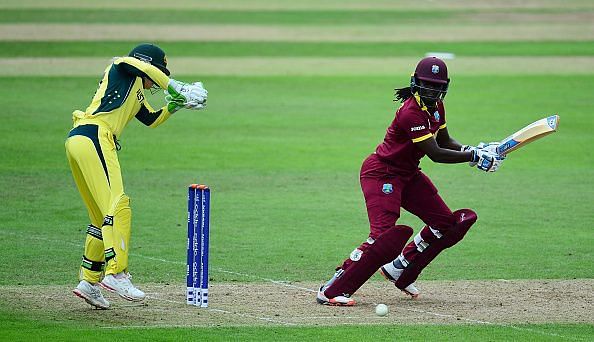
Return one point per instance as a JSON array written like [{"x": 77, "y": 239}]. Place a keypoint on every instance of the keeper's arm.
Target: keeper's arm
[
  {"x": 139, "y": 68},
  {"x": 148, "y": 116}
]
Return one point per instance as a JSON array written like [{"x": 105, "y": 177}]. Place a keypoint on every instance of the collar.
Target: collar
[{"x": 421, "y": 104}]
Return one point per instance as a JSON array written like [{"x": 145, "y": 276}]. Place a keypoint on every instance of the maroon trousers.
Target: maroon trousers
[{"x": 385, "y": 195}]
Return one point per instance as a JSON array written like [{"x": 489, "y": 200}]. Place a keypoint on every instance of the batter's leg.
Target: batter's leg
[
  {"x": 385, "y": 248},
  {"x": 465, "y": 218},
  {"x": 443, "y": 230},
  {"x": 382, "y": 199}
]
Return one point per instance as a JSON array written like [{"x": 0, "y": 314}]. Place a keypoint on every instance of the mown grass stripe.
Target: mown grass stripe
[
  {"x": 311, "y": 49},
  {"x": 578, "y": 31},
  {"x": 299, "y": 5},
  {"x": 225, "y": 17},
  {"x": 290, "y": 17},
  {"x": 287, "y": 66}
]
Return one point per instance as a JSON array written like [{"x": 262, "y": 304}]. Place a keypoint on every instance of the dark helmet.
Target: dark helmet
[
  {"x": 430, "y": 79},
  {"x": 432, "y": 69},
  {"x": 152, "y": 54}
]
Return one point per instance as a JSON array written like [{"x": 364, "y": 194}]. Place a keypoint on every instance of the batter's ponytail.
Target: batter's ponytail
[{"x": 402, "y": 94}]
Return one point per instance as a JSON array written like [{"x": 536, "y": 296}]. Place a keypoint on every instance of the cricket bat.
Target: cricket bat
[{"x": 528, "y": 134}]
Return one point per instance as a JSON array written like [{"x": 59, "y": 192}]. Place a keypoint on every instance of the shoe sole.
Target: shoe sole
[
  {"x": 126, "y": 297},
  {"x": 390, "y": 279},
  {"x": 89, "y": 300},
  {"x": 329, "y": 303}
]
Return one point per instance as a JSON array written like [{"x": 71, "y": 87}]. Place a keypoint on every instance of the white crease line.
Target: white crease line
[
  {"x": 123, "y": 327},
  {"x": 278, "y": 282},
  {"x": 266, "y": 319},
  {"x": 252, "y": 316},
  {"x": 447, "y": 316}
]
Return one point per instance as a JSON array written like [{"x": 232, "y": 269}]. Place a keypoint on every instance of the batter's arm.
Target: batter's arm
[
  {"x": 444, "y": 140},
  {"x": 443, "y": 155}
]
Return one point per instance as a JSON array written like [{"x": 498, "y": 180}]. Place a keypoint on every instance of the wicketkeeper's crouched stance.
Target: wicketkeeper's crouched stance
[
  {"x": 91, "y": 150},
  {"x": 391, "y": 179}
]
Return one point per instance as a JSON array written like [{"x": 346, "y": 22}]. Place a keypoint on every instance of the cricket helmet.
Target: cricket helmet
[
  {"x": 152, "y": 54},
  {"x": 430, "y": 79}
]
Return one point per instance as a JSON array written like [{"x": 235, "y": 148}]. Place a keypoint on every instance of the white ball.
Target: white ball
[{"x": 381, "y": 310}]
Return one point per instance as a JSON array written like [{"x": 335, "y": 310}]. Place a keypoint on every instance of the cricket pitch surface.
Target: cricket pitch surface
[{"x": 497, "y": 302}]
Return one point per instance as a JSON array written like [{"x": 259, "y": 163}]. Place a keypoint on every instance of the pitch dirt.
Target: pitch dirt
[{"x": 249, "y": 304}]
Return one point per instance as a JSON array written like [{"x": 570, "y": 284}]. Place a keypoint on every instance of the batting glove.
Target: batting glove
[
  {"x": 470, "y": 148},
  {"x": 486, "y": 160},
  {"x": 491, "y": 147}
]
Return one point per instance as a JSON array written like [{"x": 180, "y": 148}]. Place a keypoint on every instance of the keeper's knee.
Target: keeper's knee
[{"x": 121, "y": 203}]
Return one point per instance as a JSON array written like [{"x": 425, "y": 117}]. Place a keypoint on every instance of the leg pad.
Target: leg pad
[
  {"x": 465, "y": 218},
  {"x": 384, "y": 249}
]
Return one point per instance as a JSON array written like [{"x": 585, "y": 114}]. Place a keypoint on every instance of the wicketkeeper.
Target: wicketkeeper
[
  {"x": 91, "y": 148},
  {"x": 391, "y": 179}
]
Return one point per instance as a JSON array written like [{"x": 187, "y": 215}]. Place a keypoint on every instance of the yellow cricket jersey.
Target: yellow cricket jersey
[{"x": 120, "y": 97}]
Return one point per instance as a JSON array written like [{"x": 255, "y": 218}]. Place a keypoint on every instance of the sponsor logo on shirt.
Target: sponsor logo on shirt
[
  {"x": 417, "y": 128},
  {"x": 140, "y": 95}
]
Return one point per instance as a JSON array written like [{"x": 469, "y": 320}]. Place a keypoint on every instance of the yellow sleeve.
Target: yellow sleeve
[
  {"x": 151, "y": 71},
  {"x": 148, "y": 116}
]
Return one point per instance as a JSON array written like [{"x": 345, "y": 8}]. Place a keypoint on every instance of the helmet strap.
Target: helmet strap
[{"x": 420, "y": 102}]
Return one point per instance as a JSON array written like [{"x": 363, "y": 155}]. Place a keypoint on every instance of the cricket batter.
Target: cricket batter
[
  {"x": 91, "y": 149},
  {"x": 391, "y": 179}
]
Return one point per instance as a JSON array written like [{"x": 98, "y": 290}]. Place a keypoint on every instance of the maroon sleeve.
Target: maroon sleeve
[{"x": 415, "y": 125}]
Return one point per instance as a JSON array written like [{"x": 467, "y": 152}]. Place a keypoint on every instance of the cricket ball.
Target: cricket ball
[{"x": 381, "y": 310}]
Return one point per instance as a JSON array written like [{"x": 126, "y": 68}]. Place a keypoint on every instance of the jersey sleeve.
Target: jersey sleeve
[
  {"x": 416, "y": 127},
  {"x": 148, "y": 116},
  {"x": 139, "y": 68}
]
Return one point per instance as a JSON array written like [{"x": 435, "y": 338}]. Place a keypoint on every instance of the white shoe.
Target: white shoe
[
  {"x": 121, "y": 284},
  {"x": 91, "y": 294},
  {"x": 336, "y": 301},
  {"x": 392, "y": 274}
]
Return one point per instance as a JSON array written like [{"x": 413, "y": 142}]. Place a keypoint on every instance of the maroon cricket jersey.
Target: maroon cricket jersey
[{"x": 398, "y": 154}]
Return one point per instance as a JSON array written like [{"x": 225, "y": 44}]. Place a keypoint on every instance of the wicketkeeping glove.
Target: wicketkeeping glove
[
  {"x": 173, "y": 105},
  {"x": 186, "y": 95}
]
